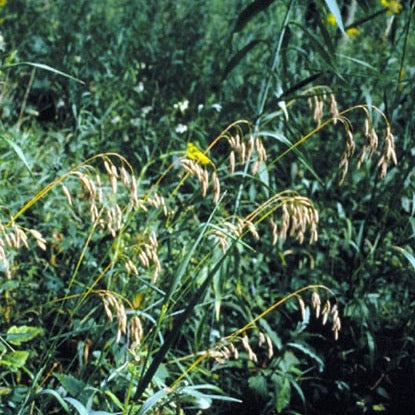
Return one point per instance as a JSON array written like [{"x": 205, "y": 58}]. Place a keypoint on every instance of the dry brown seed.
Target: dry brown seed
[
  {"x": 107, "y": 165},
  {"x": 232, "y": 162},
  {"x": 144, "y": 259},
  {"x": 114, "y": 171},
  {"x": 136, "y": 331},
  {"x": 118, "y": 215},
  {"x": 124, "y": 177},
  {"x": 261, "y": 338},
  {"x": 302, "y": 307},
  {"x": 237, "y": 143},
  {"x": 318, "y": 110},
  {"x": 107, "y": 308},
  {"x": 255, "y": 167},
  {"x": 350, "y": 144},
  {"x": 250, "y": 148},
  {"x": 204, "y": 182},
  {"x": 216, "y": 187},
  {"x": 251, "y": 355},
  {"x": 274, "y": 230},
  {"x": 270, "y": 348},
  {"x": 14, "y": 239},
  {"x": 252, "y": 229},
  {"x": 374, "y": 140},
  {"x": 337, "y": 324},
  {"x": 226, "y": 353},
  {"x": 8, "y": 240},
  {"x": 316, "y": 302},
  {"x": 333, "y": 108},
  {"x": 88, "y": 184},
  {"x": 67, "y": 194},
  {"x": 243, "y": 152},
  {"x": 94, "y": 211},
  {"x": 113, "y": 181},
  {"x": 153, "y": 239},
  {"x": 234, "y": 351}
]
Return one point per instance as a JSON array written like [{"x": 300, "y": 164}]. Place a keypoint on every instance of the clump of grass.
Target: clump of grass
[{"x": 140, "y": 222}]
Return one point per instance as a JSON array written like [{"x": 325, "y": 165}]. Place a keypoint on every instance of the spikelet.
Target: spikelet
[
  {"x": 328, "y": 311},
  {"x": 104, "y": 189},
  {"x": 302, "y": 307},
  {"x": 318, "y": 102},
  {"x": 112, "y": 304},
  {"x": 298, "y": 215},
  {"x": 316, "y": 303},
  {"x": 144, "y": 252},
  {"x": 245, "y": 344},
  {"x": 14, "y": 237},
  {"x": 387, "y": 156},
  {"x": 135, "y": 334}
]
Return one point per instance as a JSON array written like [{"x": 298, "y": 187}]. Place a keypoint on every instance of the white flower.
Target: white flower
[
  {"x": 200, "y": 107},
  {"x": 139, "y": 88},
  {"x": 182, "y": 106},
  {"x": 217, "y": 107},
  {"x": 116, "y": 119},
  {"x": 181, "y": 128},
  {"x": 61, "y": 103}
]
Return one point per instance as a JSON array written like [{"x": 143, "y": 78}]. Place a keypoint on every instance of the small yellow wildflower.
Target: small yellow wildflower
[
  {"x": 3, "y": 3},
  {"x": 193, "y": 153},
  {"x": 393, "y": 6},
  {"x": 331, "y": 20},
  {"x": 352, "y": 31}
]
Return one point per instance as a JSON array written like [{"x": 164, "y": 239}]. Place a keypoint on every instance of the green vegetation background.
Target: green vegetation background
[{"x": 143, "y": 79}]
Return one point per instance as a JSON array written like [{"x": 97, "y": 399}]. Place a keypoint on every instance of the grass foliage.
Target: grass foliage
[{"x": 206, "y": 207}]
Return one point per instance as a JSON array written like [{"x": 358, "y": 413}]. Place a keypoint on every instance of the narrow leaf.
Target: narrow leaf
[
  {"x": 334, "y": 9},
  {"x": 309, "y": 353},
  {"x": 406, "y": 254},
  {"x": 317, "y": 46},
  {"x": 300, "y": 84},
  {"x": 326, "y": 36},
  {"x": 56, "y": 396},
  {"x": 150, "y": 402},
  {"x": 238, "y": 57},
  {"x": 44, "y": 67},
  {"x": 19, "y": 153},
  {"x": 250, "y": 11},
  {"x": 78, "y": 406}
]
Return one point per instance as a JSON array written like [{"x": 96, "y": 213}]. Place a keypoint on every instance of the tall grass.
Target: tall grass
[
  {"x": 154, "y": 260},
  {"x": 149, "y": 268}
]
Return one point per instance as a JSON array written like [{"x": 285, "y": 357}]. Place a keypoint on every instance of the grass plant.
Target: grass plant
[{"x": 148, "y": 264}]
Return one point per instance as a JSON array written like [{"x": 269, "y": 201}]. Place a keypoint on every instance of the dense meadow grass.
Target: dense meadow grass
[{"x": 207, "y": 207}]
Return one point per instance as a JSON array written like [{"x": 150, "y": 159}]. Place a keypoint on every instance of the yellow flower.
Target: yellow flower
[
  {"x": 3, "y": 3},
  {"x": 331, "y": 19},
  {"x": 393, "y": 6},
  {"x": 193, "y": 153},
  {"x": 352, "y": 31}
]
